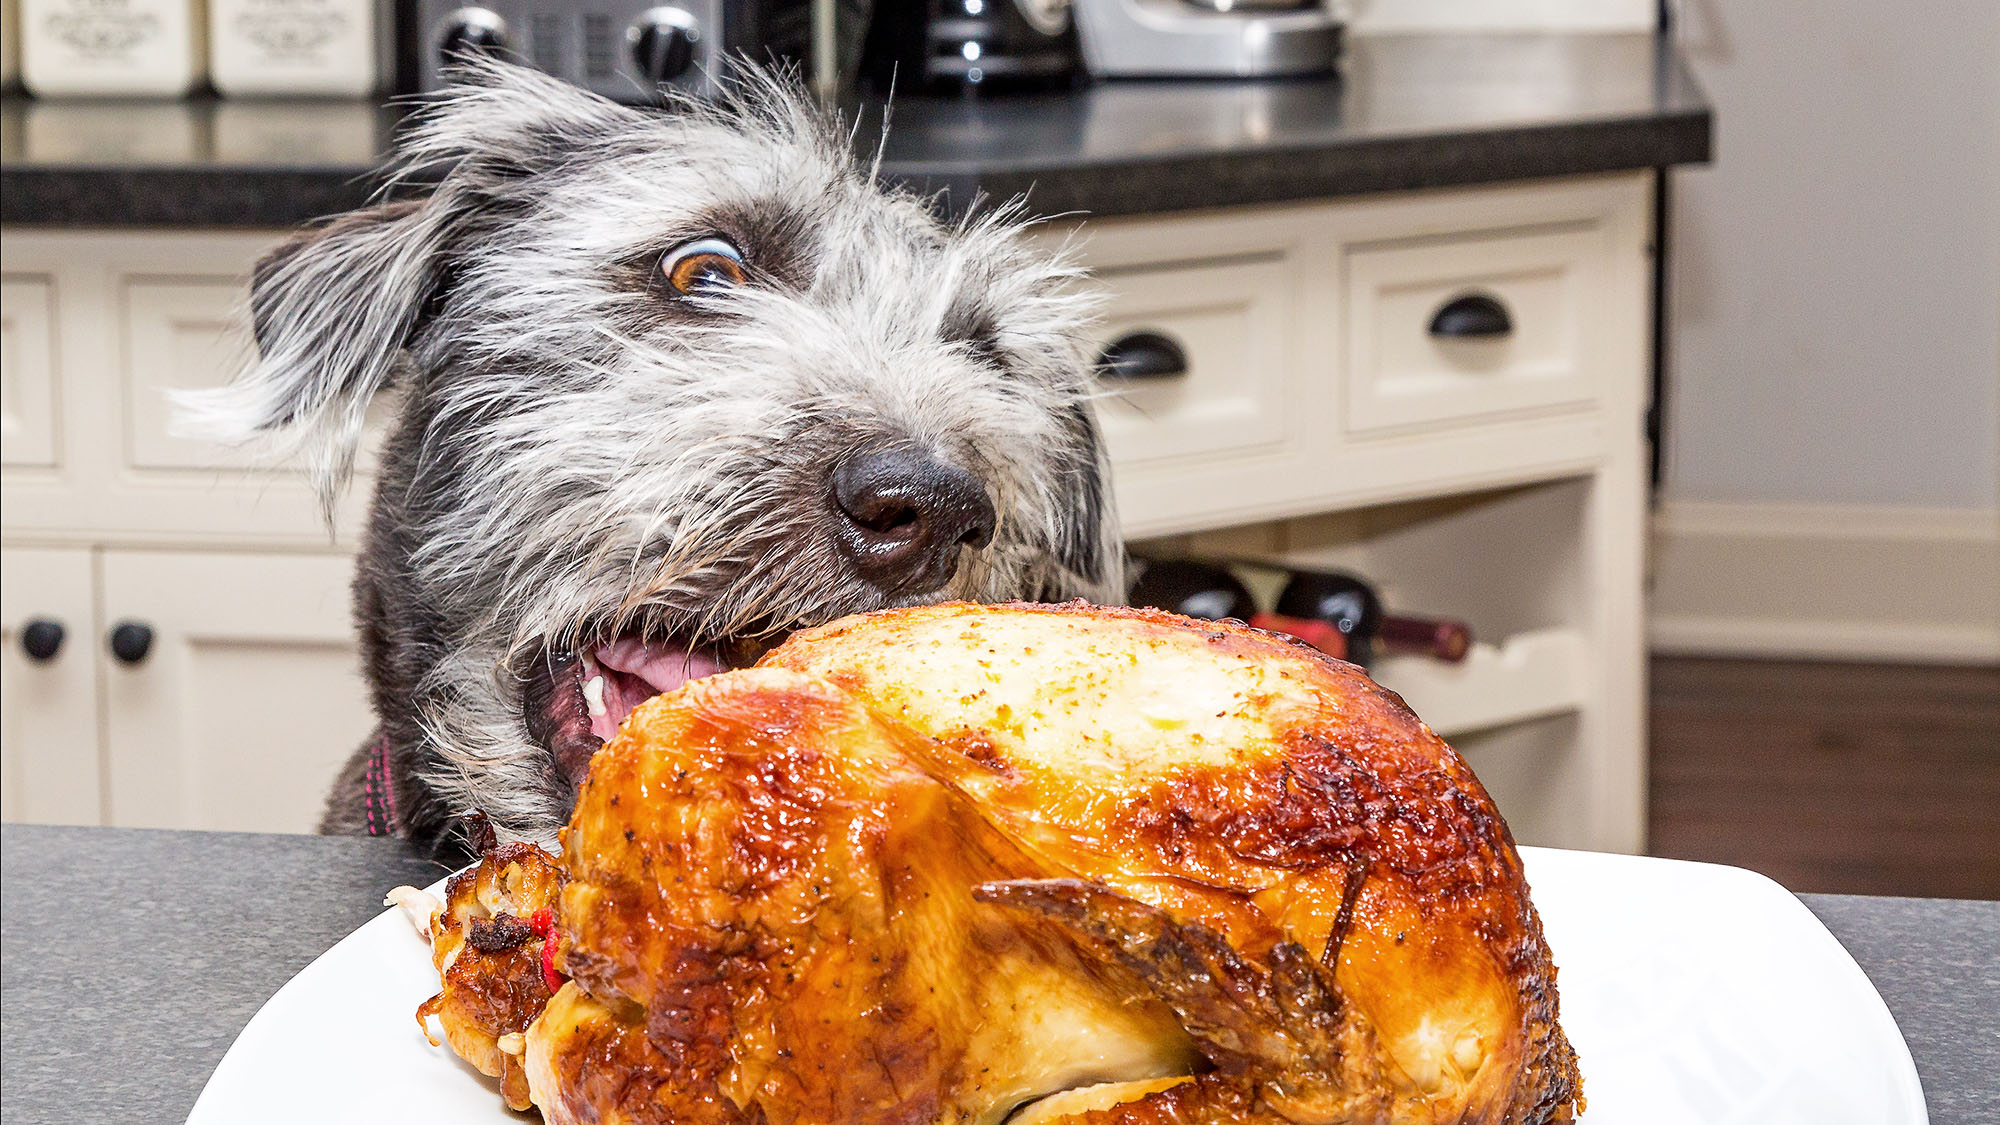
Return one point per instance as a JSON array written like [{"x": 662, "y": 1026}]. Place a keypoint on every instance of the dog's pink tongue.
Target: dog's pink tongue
[{"x": 637, "y": 671}]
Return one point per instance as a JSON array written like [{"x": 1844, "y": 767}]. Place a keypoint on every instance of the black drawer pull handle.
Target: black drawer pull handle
[
  {"x": 41, "y": 639},
  {"x": 1474, "y": 316},
  {"x": 131, "y": 641},
  {"x": 1142, "y": 355}
]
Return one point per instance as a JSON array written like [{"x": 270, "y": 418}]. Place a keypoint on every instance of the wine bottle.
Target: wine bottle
[
  {"x": 1438, "y": 638},
  {"x": 1213, "y": 593},
  {"x": 1353, "y": 607},
  {"x": 1192, "y": 588}
]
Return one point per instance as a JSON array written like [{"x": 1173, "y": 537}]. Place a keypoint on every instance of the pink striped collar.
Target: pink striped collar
[{"x": 379, "y": 791}]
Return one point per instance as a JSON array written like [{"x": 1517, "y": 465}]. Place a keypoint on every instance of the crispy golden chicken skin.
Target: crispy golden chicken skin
[
  {"x": 1255, "y": 787},
  {"x": 773, "y": 902},
  {"x": 1043, "y": 864}
]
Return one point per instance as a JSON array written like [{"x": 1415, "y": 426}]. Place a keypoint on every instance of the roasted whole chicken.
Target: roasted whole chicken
[{"x": 1024, "y": 864}]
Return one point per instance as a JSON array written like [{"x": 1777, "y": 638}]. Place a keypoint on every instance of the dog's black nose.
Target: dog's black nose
[{"x": 904, "y": 514}]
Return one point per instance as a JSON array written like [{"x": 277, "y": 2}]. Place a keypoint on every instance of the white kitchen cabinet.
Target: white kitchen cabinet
[
  {"x": 1497, "y": 478},
  {"x": 1374, "y": 406},
  {"x": 237, "y": 716},
  {"x": 133, "y": 315},
  {"x": 1312, "y": 416},
  {"x": 249, "y": 698},
  {"x": 49, "y": 749}
]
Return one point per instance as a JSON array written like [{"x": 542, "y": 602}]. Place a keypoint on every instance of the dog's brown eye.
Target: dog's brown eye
[{"x": 707, "y": 265}]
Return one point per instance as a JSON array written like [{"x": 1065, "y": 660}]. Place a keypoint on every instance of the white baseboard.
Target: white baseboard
[{"x": 1826, "y": 582}]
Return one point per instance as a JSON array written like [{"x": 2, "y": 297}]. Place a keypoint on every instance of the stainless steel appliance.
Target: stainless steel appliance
[
  {"x": 623, "y": 49},
  {"x": 1207, "y": 38},
  {"x": 968, "y": 46}
]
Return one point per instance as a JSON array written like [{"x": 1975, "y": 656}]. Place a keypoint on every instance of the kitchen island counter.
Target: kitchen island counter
[{"x": 132, "y": 959}]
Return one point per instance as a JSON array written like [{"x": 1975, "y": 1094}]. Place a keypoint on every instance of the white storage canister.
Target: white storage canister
[
  {"x": 312, "y": 47},
  {"x": 148, "y": 48},
  {"x": 10, "y": 41}
]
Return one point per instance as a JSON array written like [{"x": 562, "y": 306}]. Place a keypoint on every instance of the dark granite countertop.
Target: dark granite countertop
[
  {"x": 1412, "y": 111},
  {"x": 129, "y": 961}
]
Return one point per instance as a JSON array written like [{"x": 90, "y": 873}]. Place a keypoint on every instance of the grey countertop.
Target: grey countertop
[
  {"x": 129, "y": 960},
  {"x": 1407, "y": 112}
]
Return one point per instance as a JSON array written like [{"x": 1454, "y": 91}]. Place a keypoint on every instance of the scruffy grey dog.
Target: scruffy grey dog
[{"x": 673, "y": 384}]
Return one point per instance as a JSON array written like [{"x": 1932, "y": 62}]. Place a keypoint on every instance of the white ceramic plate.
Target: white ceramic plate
[{"x": 1693, "y": 993}]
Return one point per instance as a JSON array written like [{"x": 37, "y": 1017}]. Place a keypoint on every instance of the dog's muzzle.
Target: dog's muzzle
[
  {"x": 901, "y": 519},
  {"x": 902, "y": 516}
]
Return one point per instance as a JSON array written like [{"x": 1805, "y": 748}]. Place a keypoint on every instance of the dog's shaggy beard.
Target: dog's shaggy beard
[{"x": 584, "y": 462}]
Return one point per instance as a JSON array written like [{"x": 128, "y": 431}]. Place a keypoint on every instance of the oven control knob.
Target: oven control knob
[
  {"x": 469, "y": 33},
  {"x": 663, "y": 42}
]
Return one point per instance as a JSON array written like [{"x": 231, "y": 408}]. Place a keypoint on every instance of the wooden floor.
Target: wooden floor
[{"x": 1851, "y": 778}]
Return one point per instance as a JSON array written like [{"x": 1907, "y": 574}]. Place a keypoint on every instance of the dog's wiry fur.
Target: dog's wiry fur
[{"x": 580, "y": 454}]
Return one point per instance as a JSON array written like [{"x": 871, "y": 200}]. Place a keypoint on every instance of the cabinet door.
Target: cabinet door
[
  {"x": 48, "y": 706},
  {"x": 100, "y": 326},
  {"x": 27, "y": 372},
  {"x": 249, "y": 698}
]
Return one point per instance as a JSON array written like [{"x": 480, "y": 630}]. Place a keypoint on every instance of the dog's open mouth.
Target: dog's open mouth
[
  {"x": 575, "y": 702},
  {"x": 627, "y": 672}
]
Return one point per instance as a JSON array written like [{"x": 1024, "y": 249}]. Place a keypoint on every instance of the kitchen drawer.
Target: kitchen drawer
[
  {"x": 1229, "y": 320},
  {"x": 28, "y": 371},
  {"x": 1522, "y": 303},
  {"x": 186, "y": 331}
]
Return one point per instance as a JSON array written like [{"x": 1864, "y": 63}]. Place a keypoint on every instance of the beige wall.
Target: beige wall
[
  {"x": 1834, "y": 412},
  {"x": 1837, "y": 269}
]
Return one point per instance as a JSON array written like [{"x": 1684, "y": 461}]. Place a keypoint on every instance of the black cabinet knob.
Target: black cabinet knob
[
  {"x": 131, "y": 641},
  {"x": 1473, "y": 316},
  {"x": 1142, "y": 355},
  {"x": 663, "y": 43},
  {"x": 41, "y": 639}
]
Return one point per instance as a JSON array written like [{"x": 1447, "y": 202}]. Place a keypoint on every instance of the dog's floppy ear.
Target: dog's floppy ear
[{"x": 333, "y": 307}]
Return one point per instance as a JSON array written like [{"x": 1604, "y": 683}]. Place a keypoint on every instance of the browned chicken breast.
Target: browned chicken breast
[{"x": 1043, "y": 864}]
